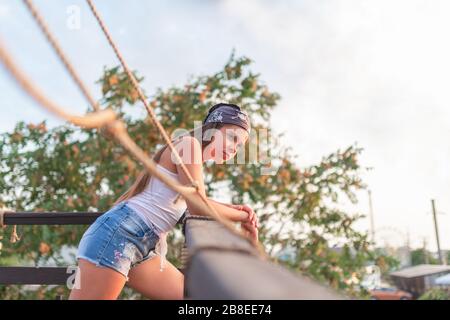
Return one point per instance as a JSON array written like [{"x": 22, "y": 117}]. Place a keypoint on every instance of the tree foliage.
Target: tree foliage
[{"x": 65, "y": 168}]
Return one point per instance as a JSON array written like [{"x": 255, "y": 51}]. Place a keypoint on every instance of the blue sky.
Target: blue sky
[{"x": 372, "y": 72}]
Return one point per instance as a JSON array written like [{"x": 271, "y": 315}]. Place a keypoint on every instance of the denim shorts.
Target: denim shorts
[{"x": 118, "y": 239}]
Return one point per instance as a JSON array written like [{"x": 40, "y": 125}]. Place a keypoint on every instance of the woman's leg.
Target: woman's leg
[
  {"x": 97, "y": 283},
  {"x": 147, "y": 279}
]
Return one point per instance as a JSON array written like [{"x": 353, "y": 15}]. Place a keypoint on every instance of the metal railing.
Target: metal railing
[
  {"x": 219, "y": 263},
  {"x": 43, "y": 275},
  {"x": 222, "y": 265}
]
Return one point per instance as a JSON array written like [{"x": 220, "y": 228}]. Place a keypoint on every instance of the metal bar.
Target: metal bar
[
  {"x": 39, "y": 275},
  {"x": 50, "y": 218},
  {"x": 53, "y": 218},
  {"x": 36, "y": 275},
  {"x": 221, "y": 264}
]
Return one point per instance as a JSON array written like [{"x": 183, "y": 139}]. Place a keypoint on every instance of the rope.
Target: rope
[
  {"x": 57, "y": 48},
  {"x": 91, "y": 120},
  {"x": 108, "y": 116},
  {"x": 44, "y": 28},
  {"x": 116, "y": 127},
  {"x": 161, "y": 129},
  {"x": 140, "y": 93}
]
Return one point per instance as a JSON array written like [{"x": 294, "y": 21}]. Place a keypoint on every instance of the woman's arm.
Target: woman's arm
[
  {"x": 251, "y": 216},
  {"x": 228, "y": 212},
  {"x": 223, "y": 203},
  {"x": 250, "y": 225}
]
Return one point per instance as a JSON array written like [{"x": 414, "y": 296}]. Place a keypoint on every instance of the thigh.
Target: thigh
[
  {"x": 96, "y": 282},
  {"x": 147, "y": 279}
]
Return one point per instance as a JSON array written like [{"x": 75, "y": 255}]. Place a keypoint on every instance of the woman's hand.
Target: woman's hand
[
  {"x": 250, "y": 230},
  {"x": 251, "y": 215}
]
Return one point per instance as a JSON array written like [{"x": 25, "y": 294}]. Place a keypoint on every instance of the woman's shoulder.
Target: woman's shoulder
[
  {"x": 187, "y": 140},
  {"x": 188, "y": 147},
  {"x": 188, "y": 143}
]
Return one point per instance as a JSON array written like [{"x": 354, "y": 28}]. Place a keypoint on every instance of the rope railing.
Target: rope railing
[
  {"x": 231, "y": 274},
  {"x": 91, "y": 120},
  {"x": 45, "y": 275},
  {"x": 211, "y": 211},
  {"x": 216, "y": 264},
  {"x": 70, "y": 69}
]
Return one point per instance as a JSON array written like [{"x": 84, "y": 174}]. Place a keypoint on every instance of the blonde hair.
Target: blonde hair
[{"x": 144, "y": 177}]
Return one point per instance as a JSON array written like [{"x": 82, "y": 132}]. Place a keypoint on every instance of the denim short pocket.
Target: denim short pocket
[
  {"x": 96, "y": 225},
  {"x": 132, "y": 226}
]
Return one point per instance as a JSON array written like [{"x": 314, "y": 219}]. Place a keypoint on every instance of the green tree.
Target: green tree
[
  {"x": 421, "y": 256},
  {"x": 435, "y": 294},
  {"x": 70, "y": 169}
]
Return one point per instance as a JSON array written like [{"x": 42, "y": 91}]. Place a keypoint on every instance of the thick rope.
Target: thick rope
[
  {"x": 91, "y": 120},
  {"x": 117, "y": 127},
  {"x": 140, "y": 93},
  {"x": 61, "y": 55},
  {"x": 94, "y": 119},
  {"x": 161, "y": 129},
  {"x": 44, "y": 28}
]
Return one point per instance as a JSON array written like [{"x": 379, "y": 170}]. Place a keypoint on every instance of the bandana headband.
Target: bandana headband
[{"x": 228, "y": 113}]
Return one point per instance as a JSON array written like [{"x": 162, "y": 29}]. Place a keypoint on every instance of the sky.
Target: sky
[{"x": 375, "y": 73}]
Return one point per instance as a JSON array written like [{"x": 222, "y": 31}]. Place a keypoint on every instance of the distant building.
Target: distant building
[
  {"x": 403, "y": 255},
  {"x": 418, "y": 279}
]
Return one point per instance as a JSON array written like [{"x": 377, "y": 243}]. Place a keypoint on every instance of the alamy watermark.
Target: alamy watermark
[
  {"x": 73, "y": 21},
  {"x": 228, "y": 147}
]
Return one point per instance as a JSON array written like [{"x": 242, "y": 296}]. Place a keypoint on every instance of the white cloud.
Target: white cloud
[
  {"x": 376, "y": 72},
  {"x": 4, "y": 10}
]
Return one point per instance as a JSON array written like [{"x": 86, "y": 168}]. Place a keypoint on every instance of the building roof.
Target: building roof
[{"x": 420, "y": 270}]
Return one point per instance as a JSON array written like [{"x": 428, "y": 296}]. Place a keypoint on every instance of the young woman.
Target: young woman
[{"x": 127, "y": 243}]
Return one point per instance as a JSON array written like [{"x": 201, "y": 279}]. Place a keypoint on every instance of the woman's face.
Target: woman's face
[{"x": 227, "y": 141}]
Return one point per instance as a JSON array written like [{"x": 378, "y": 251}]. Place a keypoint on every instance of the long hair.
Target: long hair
[{"x": 144, "y": 177}]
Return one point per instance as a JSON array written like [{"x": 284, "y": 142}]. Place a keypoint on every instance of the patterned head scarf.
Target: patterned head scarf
[{"x": 228, "y": 113}]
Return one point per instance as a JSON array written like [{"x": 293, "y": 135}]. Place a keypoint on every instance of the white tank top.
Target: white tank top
[{"x": 155, "y": 205}]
